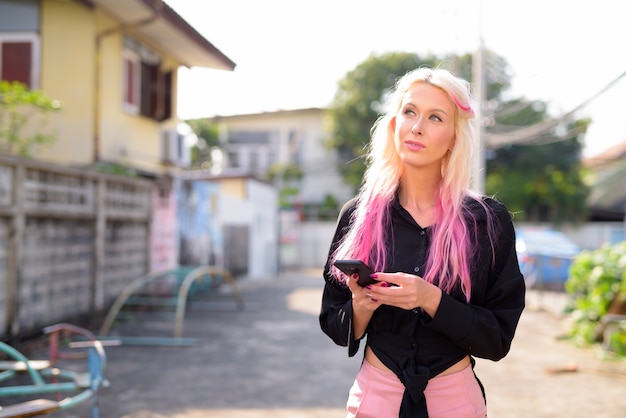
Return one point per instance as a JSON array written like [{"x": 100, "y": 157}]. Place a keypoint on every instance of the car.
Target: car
[{"x": 545, "y": 257}]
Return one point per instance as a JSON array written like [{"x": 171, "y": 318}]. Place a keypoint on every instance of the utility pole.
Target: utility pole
[{"x": 478, "y": 81}]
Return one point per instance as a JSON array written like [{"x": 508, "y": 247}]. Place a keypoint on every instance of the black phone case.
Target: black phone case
[{"x": 350, "y": 267}]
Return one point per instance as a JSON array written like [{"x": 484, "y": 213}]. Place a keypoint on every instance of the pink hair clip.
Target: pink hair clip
[{"x": 465, "y": 108}]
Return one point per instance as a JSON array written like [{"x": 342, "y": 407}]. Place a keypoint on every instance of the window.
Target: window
[
  {"x": 254, "y": 161},
  {"x": 132, "y": 66},
  {"x": 233, "y": 159},
  {"x": 19, "y": 58},
  {"x": 147, "y": 90},
  {"x": 295, "y": 147}
]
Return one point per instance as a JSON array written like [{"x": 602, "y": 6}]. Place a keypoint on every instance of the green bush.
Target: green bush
[
  {"x": 22, "y": 118},
  {"x": 597, "y": 286}
]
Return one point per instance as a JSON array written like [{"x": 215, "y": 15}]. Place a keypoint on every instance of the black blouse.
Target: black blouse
[{"x": 410, "y": 342}]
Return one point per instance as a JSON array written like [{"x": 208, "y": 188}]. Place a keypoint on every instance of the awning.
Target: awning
[{"x": 158, "y": 23}]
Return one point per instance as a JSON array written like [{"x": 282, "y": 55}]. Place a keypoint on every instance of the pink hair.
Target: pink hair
[
  {"x": 465, "y": 107},
  {"x": 451, "y": 251}
]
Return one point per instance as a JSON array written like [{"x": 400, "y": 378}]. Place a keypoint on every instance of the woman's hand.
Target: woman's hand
[
  {"x": 406, "y": 291},
  {"x": 363, "y": 306},
  {"x": 361, "y": 298}
]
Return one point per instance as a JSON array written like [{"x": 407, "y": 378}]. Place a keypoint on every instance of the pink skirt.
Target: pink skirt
[{"x": 378, "y": 394}]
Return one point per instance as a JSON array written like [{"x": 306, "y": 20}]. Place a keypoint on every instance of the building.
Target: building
[
  {"x": 273, "y": 141},
  {"x": 113, "y": 66},
  {"x": 607, "y": 171},
  {"x": 262, "y": 141},
  {"x": 229, "y": 219}
]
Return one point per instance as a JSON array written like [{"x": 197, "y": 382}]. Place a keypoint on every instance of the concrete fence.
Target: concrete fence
[{"x": 70, "y": 241}]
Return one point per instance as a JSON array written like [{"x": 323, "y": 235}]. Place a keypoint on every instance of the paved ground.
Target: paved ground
[{"x": 272, "y": 360}]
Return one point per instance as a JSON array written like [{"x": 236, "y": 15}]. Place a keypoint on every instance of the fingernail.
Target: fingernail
[
  {"x": 374, "y": 275},
  {"x": 369, "y": 287},
  {"x": 384, "y": 284}
]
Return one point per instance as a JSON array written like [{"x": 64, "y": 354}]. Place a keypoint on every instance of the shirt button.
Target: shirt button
[
  {"x": 416, "y": 269},
  {"x": 416, "y": 311},
  {"x": 422, "y": 232}
]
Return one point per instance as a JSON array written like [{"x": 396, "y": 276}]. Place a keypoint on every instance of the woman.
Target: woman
[{"x": 449, "y": 288}]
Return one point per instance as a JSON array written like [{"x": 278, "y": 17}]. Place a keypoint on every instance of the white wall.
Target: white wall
[
  {"x": 263, "y": 229},
  {"x": 320, "y": 173},
  {"x": 591, "y": 235},
  {"x": 314, "y": 239},
  {"x": 314, "y": 243},
  {"x": 258, "y": 212}
]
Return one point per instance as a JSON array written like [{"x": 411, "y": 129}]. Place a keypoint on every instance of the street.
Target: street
[{"x": 272, "y": 360}]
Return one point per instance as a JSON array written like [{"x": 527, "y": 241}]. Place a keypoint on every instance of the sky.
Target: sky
[{"x": 291, "y": 54}]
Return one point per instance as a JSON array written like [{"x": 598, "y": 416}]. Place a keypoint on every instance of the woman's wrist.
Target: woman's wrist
[{"x": 431, "y": 300}]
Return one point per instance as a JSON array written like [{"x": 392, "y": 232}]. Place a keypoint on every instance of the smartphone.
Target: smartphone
[{"x": 350, "y": 267}]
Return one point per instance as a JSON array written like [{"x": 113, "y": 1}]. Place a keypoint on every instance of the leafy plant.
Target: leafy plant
[
  {"x": 286, "y": 176},
  {"x": 597, "y": 284},
  {"x": 526, "y": 176},
  {"x": 22, "y": 109},
  {"x": 115, "y": 169},
  {"x": 208, "y": 141},
  {"x": 357, "y": 104},
  {"x": 284, "y": 172}
]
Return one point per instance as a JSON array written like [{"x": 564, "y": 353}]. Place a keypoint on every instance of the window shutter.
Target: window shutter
[
  {"x": 16, "y": 62},
  {"x": 167, "y": 96}
]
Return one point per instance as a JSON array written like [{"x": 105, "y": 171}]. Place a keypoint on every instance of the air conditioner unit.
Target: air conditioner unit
[{"x": 174, "y": 149}]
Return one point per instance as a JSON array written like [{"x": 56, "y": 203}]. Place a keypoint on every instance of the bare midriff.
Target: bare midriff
[{"x": 456, "y": 367}]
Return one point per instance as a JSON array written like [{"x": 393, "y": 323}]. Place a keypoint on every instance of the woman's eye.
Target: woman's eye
[
  {"x": 409, "y": 112},
  {"x": 436, "y": 118}
]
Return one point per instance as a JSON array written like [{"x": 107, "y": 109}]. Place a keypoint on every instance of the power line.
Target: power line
[{"x": 528, "y": 134}]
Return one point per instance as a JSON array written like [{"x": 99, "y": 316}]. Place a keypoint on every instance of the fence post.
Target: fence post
[
  {"x": 16, "y": 247},
  {"x": 99, "y": 245}
]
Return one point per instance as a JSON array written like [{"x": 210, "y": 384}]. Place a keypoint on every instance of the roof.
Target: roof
[
  {"x": 608, "y": 156},
  {"x": 159, "y": 23},
  {"x": 280, "y": 112},
  {"x": 224, "y": 174},
  {"x": 607, "y": 199}
]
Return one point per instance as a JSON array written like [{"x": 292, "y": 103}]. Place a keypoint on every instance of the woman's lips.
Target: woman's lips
[{"x": 414, "y": 145}]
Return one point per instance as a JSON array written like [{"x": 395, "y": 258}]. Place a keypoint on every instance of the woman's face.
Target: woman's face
[{"x": 424, "y": 126}]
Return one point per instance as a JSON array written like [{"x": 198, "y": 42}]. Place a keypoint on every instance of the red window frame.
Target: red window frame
[
  {"x": 131, "y": 81},
  {"x": 146, "y": 90},
  {"x": 19, "y": 58}
]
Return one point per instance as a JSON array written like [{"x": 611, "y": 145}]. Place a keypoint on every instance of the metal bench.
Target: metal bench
[
  {"x": 78, "y": 387},
  {"x": 29, "y": 408}
]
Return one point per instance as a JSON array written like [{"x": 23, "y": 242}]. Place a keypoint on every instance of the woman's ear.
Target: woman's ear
[{"x": 392, "y": 123}]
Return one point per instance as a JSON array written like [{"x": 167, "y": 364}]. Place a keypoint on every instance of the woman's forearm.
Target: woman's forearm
[{"x": 361, "y": 318}]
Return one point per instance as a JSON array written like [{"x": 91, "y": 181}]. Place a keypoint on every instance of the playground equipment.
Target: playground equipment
[
  {"x": 47, "y": 378},
  {"x": 157, "y": 292}
]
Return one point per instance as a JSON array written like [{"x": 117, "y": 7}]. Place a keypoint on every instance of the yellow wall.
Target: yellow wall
[
  {"x": 235, "y": 187},
  {"x": 67, "y": 71},
  {"x": 125, "y": 138}
]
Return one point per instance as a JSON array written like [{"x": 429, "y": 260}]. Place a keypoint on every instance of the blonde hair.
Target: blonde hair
[{"x": 448, "y": 261}]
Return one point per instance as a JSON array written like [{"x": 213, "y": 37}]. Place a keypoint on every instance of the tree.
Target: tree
[
  {"x": 541, "y": 178},
  {"x": 522, "y": 169},
  {"x": 286, "y": 177},
  {"x": 358, "y": 103},
  {"x": 208, "y": 140},
  {"x": 361, "y": 94},
  {"x": 22, "y": 118}
]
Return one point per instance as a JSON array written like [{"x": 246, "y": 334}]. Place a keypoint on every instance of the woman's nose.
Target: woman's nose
[{"x": 416, "y": 129}]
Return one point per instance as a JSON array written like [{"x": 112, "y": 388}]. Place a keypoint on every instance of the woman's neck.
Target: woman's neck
[{"x": 418, "y": 195}]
